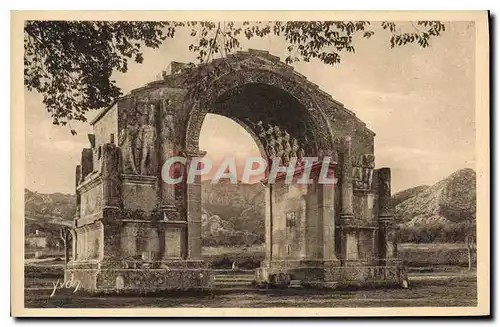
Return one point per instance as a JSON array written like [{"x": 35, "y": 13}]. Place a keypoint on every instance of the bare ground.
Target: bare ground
[{"x": 421, "y": 293}]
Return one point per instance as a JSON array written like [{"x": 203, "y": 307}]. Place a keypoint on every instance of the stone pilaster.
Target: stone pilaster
[
  {"x": 346, "y": 211},
  {"x": 268, "y": 219},
  {"x": 162, "y": 239},
  {"x": 327, "y": 215},
  {"x": 87, "y": 163},
  {"x": 193, "y": 211},
  {"x": 385, "y": 219},
  {"x": 167, "y": 200},
  {"x": 348, "y": 241},
  {"x": 85, "y": 248},
  {"x": 384, "y": 194},
  {"x": 110, "y": 179},
  {"x": 168, "y": 139},
  {"x": 153, "y": 243},
  {"x": 78, "y": 177},
  {"x": 111, "y": 244},
  {"x": 74, "y": 245}
]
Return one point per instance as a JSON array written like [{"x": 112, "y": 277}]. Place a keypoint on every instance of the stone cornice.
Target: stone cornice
[
  {"x": 139, "y": 179},
  {"x": 193, "y": 154},
  {"x": 355, "y": 225},
  {"x": 88, "y": 220},
  {"x": 102, "y": 113},
  {"x": 90, "y": 183}
]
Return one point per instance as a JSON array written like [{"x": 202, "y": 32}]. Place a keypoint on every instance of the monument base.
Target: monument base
[
  {"x": 135, "y": 277},
  {"x": 331, "y": 275}
]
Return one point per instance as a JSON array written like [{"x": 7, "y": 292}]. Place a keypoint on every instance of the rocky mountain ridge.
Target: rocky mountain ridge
[{"x": 450, "y": 200}]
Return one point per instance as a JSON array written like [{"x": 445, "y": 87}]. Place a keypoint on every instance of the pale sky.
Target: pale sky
[{"x": 419, "y": 102}]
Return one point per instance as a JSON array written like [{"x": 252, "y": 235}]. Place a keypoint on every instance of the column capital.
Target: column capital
[
  {"x": 193, "y": 153},
  {"x": 385, "y": 218},
  {"x": 346, "y": 219}
]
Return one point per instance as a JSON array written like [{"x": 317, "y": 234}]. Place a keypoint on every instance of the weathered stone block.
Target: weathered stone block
[{"x": 139, "y": 195}]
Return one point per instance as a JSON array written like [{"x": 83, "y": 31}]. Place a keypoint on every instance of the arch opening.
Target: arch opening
[
  {"x": 280, "y": 126},
  {"x": 232, "y": 208}
]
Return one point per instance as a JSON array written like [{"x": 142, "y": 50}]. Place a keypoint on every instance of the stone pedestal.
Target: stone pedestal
[
  {"x": 124, "y": 241},
  {"x": 140, "y": 277}
]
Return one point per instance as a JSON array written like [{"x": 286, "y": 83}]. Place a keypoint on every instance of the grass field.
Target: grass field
[{"x": 413, "y": 255}]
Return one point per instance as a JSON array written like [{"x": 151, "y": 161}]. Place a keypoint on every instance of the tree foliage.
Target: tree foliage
[
  {"x": 70, "y": 63},
  {"x": 437, "y": 233}
]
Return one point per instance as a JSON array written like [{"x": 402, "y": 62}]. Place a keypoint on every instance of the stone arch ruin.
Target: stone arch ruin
[{"x": 133, "y": 227}]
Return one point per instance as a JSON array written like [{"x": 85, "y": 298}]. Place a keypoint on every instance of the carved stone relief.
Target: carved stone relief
[
  {"x": 278, "y": 143},
  {"x": 137, "y": 140},
  {"x": 148, "y": 141},
  {"x": 362, "y": 171},
  {"x": 168, "y": 135},
  {"x": 127, "y": 141}
]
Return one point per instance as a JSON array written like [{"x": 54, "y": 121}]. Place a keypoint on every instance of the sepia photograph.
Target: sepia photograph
[{"x": 250, "y": 163}]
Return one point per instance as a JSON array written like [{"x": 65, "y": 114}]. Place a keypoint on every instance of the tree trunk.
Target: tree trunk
[
  {"x": 63, "y": 236},
  {"x": 470, "y": 257},
  {"x": 469, "y": 243}
]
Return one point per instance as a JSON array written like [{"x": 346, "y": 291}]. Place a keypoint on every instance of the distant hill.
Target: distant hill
[
  {"x": 217, "y": 231},
  {"x": 49, "y": 206},
  {"x": 48, "y": 212},
  {"x": 451, "y": 200},
  {"x": 401, "y": 196},
  {"x": 240, "y": 204},
  {"x": 232, "y": 213}
]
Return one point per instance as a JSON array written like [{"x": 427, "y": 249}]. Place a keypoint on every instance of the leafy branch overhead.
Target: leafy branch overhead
[{"x": 70, "y": 63}]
